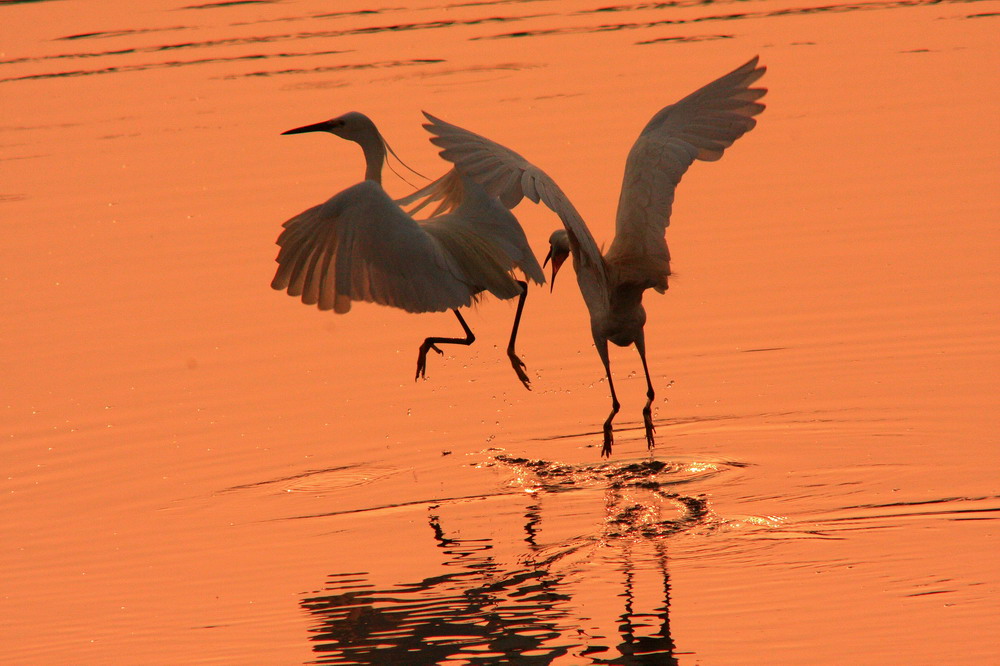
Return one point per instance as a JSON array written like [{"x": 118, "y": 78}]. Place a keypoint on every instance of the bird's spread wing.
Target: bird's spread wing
[
  {"x": 700, "y": 126},
  {"x": 360, "y": 246},
  {"x": 505, "y": 175},
  {"x": 486, "y": 217}
]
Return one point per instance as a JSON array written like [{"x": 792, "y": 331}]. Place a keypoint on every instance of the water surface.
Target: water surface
[{"x": 199, "y": 469}]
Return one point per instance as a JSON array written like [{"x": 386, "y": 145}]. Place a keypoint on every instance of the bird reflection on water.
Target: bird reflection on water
[{"x": 489, "y": 611}]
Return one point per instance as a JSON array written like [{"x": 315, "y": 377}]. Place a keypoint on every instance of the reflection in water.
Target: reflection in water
[
  {"x": 155, "y": 386},
  {"x": 480, "y": 612},
  {"x": 640, "y": 646},
  {"x": 491, "y": 611}
]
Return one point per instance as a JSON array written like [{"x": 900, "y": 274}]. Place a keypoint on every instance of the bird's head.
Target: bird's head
[
  {"x": 558, "y": 251},
  {"x": 351, "y": 126}
]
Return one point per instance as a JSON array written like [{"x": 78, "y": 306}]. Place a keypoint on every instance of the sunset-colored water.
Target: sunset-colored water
[{"x": 199, "y": 469}]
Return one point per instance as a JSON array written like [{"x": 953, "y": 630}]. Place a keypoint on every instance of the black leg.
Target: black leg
[
  {"x": 609, "y": 438},
  {"x": 431, "y": 343},
  {"x": 647, "y": 415},
  {"x": 515, "y": 362}
]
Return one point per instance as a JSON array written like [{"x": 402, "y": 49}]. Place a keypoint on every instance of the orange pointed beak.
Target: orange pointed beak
[{"x": 557, "y": 261}]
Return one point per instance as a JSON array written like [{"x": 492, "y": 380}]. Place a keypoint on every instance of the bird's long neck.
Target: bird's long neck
[
  {"x": 592, "y": 282},
  {"x": 374, "y": 149}
]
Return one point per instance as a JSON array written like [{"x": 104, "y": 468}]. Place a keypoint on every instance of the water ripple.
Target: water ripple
[
  {"x": 230, "y": 3},
  {"x": 734, "y": 16},
  {"x": 338, "y": 68},
  {"x": 486, "y": 610},
  {"x": 873, "y": 516},
  {"x": 259, "y": 56}
]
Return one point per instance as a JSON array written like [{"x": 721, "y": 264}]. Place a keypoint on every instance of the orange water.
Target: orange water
[{"x": 199, "y": 469}]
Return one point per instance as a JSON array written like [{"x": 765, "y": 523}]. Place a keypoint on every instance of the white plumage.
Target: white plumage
[
  {"x": 700, "y": 126},
  {"x": 361, "y": 246}
]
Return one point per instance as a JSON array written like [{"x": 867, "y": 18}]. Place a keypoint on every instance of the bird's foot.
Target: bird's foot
[
  {"x": 519, "y": 368},
  {"x": 650, "y": 428},
  {"x": 422, "y": 359},
  {"x": 609, "y": 441}
]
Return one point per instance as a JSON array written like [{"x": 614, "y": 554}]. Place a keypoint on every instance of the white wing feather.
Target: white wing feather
[
  {"x": 700, "y": 126},
  {"x": 361, "y": 246},
  {"x": 506, "y": 175},
  {"x": 490, "y": 219}
]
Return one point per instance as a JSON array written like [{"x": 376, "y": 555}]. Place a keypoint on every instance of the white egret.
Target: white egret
[
  {"x": 361, "y": 246},
  {"x": 700, "y": 126}
]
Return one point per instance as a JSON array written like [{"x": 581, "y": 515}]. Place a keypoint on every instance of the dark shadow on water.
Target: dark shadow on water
[
  {"x": 490, "y": 608},
  {"x": 484, "y": 613}
]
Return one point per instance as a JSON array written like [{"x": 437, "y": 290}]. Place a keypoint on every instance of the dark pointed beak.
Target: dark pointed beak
[
  {"x": 557, "y": 261},
  {"x": 316, "y": 127}
]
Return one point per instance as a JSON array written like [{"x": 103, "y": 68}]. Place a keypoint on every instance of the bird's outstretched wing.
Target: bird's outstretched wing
[
  {"x": 487, "y": 218},
  {"x": 505, "y": 175},
  {"x": 701, "y": 126},
  {"x": 360, "y": 246}
]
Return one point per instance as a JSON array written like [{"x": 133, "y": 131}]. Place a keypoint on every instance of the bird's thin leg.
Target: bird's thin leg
[
  {"x": 431, "y": 343},
  {"x": 516, "y": 362},
  {"x": 609, "y": 439},
  {"x": 647, "y": 415}
]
